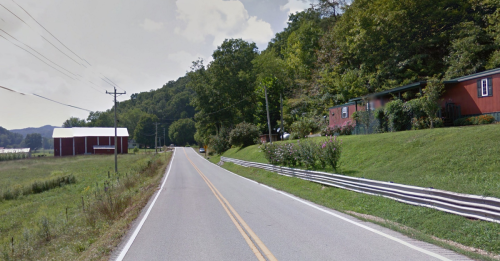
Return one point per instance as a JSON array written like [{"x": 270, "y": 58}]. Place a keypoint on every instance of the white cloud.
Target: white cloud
[
  {"x": 220, "y": 19},
  {"x": 151, "y": 26},
  {"x": 294, "y": 6}
]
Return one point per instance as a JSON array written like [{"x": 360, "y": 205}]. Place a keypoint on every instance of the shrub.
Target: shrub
[
  {"x": 396, "y": 115},
  {"x": 136, "y": 150},
  {"x": 244, "y": 134},
  {"x": 329, "y": 153},
  {"x": 346, "y": 128},
  {"x": 477, "y": 120},
  {"x": 308, "y": 153},
  {"x": 220, "y": 143},
  {"x": 304, "y": 152},
  {"x": 304, "y": 127}
]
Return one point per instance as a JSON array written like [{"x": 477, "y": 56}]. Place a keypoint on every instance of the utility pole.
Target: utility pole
[
  {"x": 164, "y": 137},
  {"x": 282, "y": 130},
  {"x": 114, "y": 93},
  {"x": 268, "y": 118},
  {"x": 156, "y": 137}
]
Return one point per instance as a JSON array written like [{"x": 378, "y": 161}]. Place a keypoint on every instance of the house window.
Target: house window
[
  {"x": 484, "y": 87},
  {"x": 345, "y": 112},
  {"x": 370, "y": 106}
]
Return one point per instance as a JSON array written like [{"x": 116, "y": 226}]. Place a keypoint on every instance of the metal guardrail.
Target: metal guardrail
[{"x": 471, "y": 206}]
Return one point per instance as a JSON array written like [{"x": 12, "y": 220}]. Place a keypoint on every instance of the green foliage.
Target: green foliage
[
  {"x": 9, "y": 139},
  {"x": 145, "y": 131},
  {"x": 397, "y": 117},
  {"x": 182, "y": 131},
  {"x": 74, "y": 122},
  {"x": 33, "y": 141},
  {"x": 476, "y": 120},
  {"x": 136, "y": 150},
  {"x": 304, "y": 126},
  {"x": 220, "y": 142},
  {"x": 225, "y": 88},
  {"x": 244, "y": 134},
  {"x": 308, "y": 153}
]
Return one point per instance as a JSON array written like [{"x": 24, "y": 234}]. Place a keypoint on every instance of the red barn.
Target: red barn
[{"x": 79, "y": 141}]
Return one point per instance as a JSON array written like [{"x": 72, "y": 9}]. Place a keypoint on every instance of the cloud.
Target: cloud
[
  {"x": 151, "y": 26},
  {"x": 294, "y": 6},
  {"x": 220, "y": 19}
]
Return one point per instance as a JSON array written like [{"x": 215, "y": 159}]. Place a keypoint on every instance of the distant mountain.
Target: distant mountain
[{"x": 45, "y": 131}]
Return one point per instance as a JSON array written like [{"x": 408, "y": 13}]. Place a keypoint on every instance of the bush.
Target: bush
[
  {"x": 304, "y": 152},
  {"x": 477, "y": 120},
  {"x": 136, "y": 150},
  {"x": 308, "y": 153},
  {"x": 346, "y": 129},
  {"x": 244, "y": 134},
  {"x": 220, "y": 143},
  {"x": 304, "y": 127}
]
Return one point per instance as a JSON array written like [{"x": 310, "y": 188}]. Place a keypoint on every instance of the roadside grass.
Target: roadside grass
[
  {"x": 81, "y": 221},
  {"x": 421, "y": 223},
  {"x": 459, "y": 159}
]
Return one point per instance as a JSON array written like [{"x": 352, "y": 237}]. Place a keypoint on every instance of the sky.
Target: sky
[{"x": 90, "y": 45}]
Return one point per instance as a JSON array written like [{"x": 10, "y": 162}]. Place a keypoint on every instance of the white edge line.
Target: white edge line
[
  {"x": 343, "y": 218},
  {"x": 138, "y": 228}
]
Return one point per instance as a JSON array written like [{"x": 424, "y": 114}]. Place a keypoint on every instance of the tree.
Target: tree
[
  {"x": 33, "y": 141},
  {"x": 74, "y": 122},
  {"x": 244, "y": 134},
  {"x": 225, "y": 88},
  {"x": 9, "y": 139},
  {"x": 182, "y": 131},
  {"x": 145, "y": 131},
  {"x": 430, "y": 100}
]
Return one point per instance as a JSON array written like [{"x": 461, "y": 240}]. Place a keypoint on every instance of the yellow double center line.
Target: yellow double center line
[{"x": 250, "y": 237}]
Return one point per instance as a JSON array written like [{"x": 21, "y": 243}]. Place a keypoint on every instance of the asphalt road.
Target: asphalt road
[{"x": 203, "y": 212}]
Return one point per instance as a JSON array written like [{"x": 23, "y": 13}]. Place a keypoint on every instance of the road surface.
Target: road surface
[{"x": 203, "y": 212}]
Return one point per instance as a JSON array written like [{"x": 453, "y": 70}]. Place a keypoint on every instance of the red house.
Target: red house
[
  {"x": 465, "y": 96},
  {"x": 476, "y": 94},
  {"x": 78, "y": 141},
  {"x": 342, "y": 114}
]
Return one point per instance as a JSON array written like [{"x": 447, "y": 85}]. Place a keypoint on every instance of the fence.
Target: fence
[{"x": 471, "y": 206}]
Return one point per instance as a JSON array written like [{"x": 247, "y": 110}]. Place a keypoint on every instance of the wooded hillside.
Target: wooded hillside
[{"x": 327, "y": 54}]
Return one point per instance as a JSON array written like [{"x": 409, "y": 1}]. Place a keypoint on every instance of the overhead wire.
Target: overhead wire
[
  {"x": 42, "y": 36},
  {"x": 57, "y": 39},
  {"x": 43, "y": 57},
  {"x": 42, "y": 97}
]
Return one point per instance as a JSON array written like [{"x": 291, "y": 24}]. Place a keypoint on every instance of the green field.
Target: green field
[
  {"x": 462, "y": 159},
  {"x": 459, "y": 159},
  {"x": 55, "y": 224}
]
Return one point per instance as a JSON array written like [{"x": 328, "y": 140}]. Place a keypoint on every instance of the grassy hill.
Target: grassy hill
[{"x": 460, "y": 159}]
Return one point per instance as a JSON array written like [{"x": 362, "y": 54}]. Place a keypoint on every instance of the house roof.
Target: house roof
[
  {"x": 88, "y": 132},
  {"x": 341, "y": 105},
  {"x": 398, "y": 89},
  {"x": 474, "y": 76}
]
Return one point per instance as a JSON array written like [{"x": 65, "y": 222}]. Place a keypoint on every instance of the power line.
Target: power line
[
  {"x": 36, "y": 52},
  {"x": 48, "y": 31},
  {"x": 57, "y": 39},
  {"x": 43, "y": 57},
  {"x": 39, "y": 96},
  {"x": 42, "y": 36},
  {"x": 37, "y": 57}
]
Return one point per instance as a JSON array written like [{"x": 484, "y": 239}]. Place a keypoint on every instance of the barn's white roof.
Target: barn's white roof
[
  {"x": 19, "y": 150},
  {"x": 88, "y": 132}
]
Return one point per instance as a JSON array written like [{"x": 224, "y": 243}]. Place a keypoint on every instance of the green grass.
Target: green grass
[
  {"x": 459, "y": 159},
  {"x": 417, "y": 222},
  {"x": 38, "y": 223}
]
